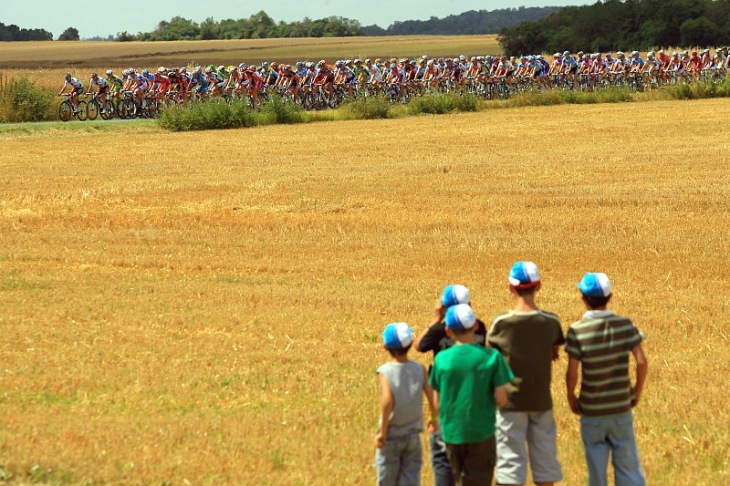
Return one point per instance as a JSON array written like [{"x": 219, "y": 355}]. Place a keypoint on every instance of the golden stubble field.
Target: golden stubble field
[
  {"x": 85, "y": 54},
  {"x": 206, "y": 308}
]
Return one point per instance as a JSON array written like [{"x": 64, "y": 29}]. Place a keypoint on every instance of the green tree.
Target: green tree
[
  {"x": 70, "y": 34},
  {"x": 699, "y": 32}
]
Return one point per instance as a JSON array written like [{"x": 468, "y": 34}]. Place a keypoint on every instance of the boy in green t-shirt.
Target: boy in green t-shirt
[{"x": 470, "y": 380}]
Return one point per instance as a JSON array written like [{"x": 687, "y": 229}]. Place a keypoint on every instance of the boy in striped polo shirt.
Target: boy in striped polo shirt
[{"x": 599, "y": 344}]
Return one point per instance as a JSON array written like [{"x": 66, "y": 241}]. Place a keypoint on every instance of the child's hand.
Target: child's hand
[
  {"x": 433, "y": 426},
  {"x": 380, "y": 439}
]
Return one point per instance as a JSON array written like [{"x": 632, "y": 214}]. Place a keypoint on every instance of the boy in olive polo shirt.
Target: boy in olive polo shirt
[
  {"x": 470, "y": 380},
  {"x": 529, "y": 340}
]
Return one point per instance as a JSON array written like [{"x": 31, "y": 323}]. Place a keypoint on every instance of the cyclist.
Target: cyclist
[
  {"x": 694, "y": 65},
  {"x": 103, "y": 88},
  {"x": 140, "y": 85},
  {"x": 216, "y": 81},
  {"x": 362, "y": 73},
  {"x": 570, "y": 66},
  {"x": 325, "y": 76},
  {"x": 198, "y": 81},
  {"x": 115, "y": 84},
  {"x": 291, "y": 82},
  {"x": 77, "y": 88},
  {"x": 162, "y": 82},
  {"x": 637, "y": 63}
]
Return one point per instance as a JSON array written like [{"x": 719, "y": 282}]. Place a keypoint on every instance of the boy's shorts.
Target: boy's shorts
[
  {"x": 399, "y": 462},
  {"x": 538, "y": 432}
]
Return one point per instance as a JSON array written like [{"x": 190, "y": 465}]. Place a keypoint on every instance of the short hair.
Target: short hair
[
  {"x": 522, "y": 291},
  {"x": 596, "y": 302},
  {"x": 399, "y": 352}
]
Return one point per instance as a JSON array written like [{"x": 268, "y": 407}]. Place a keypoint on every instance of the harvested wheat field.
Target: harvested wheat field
[
  {"x": 86, "y": 54},
  {"x": 206, "y": 308}
]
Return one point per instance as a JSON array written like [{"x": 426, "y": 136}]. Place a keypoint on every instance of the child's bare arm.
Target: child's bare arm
[
  {"x": 642, "y": 368},
  {"x": 386, "y": 407},
  {"x": 433, "y": 403},
  {"x": 500, "y": 396}
]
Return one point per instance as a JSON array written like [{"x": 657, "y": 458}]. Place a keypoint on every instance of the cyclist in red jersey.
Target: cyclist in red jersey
[
  {"x": 162, "y": 82},
  {"x": 291, "y": 81},
  {"x": 694, "y": 65}
]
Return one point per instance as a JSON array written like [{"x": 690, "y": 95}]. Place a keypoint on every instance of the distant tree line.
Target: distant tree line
[
  {"x": 467, "y": 23},
  {"x": 611, "y": 25},
  {"x": 13, "y": 33},
  {"x": 257, "y": 26}
]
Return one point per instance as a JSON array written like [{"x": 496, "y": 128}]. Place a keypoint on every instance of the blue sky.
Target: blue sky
[{"x": 103, "y": 19}]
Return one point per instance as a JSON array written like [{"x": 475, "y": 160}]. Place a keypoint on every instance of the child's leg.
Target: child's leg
[
  {"x": 411, "y": 462},
  {"x": 442, "y": 475},
  {"x": 624, "y": 453},
  {"x": 387, "y": 462}
]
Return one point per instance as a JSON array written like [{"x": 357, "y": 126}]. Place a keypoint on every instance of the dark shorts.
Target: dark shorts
[{"x": 473, "y": 464}]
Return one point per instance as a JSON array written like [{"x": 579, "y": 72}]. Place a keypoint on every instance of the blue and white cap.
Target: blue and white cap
[
  {"x": 460, "y": 317},
  {"x": 397, "y": 335},
  {"x": 595, "y": 285},
  {"x": 455, "y": 294},
  {"x": 524, "y": 275}
]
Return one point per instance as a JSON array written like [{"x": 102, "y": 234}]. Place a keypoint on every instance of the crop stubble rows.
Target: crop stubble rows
[{"x": 208, "y": 306}]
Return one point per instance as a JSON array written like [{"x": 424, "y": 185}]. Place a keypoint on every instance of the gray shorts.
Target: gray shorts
[{"x": 527, "y": 434}]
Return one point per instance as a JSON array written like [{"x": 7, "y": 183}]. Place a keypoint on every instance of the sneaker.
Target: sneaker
[{"x": 103, "y": 111}]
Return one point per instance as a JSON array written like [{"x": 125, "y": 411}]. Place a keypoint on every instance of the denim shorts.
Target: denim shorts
[
  {"x": 604, "y": 436},
  {"x": 399, "y": 461}
]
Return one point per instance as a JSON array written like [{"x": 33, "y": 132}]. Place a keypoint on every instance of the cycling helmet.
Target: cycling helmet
[
  {"x": 274, "y": 64},
  {"x": 462, "y": 58},
  {"x": 161, "y": 69},
  {"x": 109, "y": 72},
  {"x": 635, "y": 53},
  {"x": 566, "y": 53},
  {"x": 650, "y": 54},
  {"x": 429, "y": 62},
  {"x": 661, "y": 51},
  {"x": 208, "y": 70},
  {"x": 231, "y": 68},
  {"x": 264, "y": 64},
  {"x": 539, "y": 57},
  {"x": 183, "y": 70},
  {"x": 413, "y": 62},
  {"x": 67, "y": 75},
  {"x": 242, "y": 65},
  {"x": 299, "y": 64},
  {"x": 557, "y": 55},
  {"x": 620, "y": 54},
  {"x": 94, "y": 75},
  {"x": 609, "y": 55},
  {"x": 145, "y": 72},
  {"x": 171, "y": 74},
  {"x": 392, "y": 65},
  {"x": 221, "y": 68},
  {"x": 339, "y": 63},
  {"x": 357, "y": 61},
  {"x": 594, "y": 56},
  {"x": 532, "y": 58}
]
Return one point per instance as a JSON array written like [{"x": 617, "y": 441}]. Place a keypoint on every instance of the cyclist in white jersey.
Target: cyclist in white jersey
[{"x": 76, "y": 88}]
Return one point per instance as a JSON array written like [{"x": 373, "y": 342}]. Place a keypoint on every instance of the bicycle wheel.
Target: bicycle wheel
[
  {"x": 81, "y": 112},
  {"x": 108, "y": 112},
  {"x": 92, "y": 110},
  {"x": 64, "y": 111},
  {"x": 126, "y": 109}
]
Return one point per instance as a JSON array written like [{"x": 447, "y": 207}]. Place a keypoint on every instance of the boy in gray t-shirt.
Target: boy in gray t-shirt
[{"x": 398, "y": 444}]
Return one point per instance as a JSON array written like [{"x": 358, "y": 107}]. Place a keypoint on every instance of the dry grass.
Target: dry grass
[
  {"x": 206, "y": 307},
  {"x": 62, "y": 55}
]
